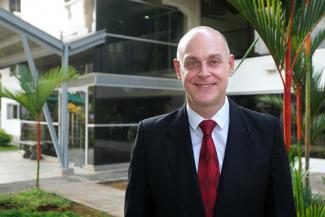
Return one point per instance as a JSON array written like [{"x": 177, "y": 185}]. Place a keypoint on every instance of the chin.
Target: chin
[{"x": 206, "y": 103}]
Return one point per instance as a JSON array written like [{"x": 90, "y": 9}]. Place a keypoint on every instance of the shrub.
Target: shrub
[
  {"x": 5, "y": 138},
  {"x": 33, "y": 200},
  {"x": 15, "y": 213}
]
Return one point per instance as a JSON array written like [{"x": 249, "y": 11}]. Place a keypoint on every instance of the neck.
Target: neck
[{"x": 207, "y": 111}]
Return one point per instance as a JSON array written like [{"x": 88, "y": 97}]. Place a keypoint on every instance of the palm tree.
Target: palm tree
[
  {"x": 284, "y": 27},
  {"x": 317, "y": 125},
  {"x": 35, "y": 92}
]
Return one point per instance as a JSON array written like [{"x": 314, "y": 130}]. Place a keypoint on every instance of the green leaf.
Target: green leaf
[
  {"x": 34, "y": 93},
  {"x": 247, "y": 53}
]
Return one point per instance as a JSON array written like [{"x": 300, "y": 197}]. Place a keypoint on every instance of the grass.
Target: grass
[
  {"x": 8, "y": 147},
  {"x": 37, "y": 203}
]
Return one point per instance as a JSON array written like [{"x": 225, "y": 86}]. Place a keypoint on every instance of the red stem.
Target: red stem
[
  {"x": 298, "y": 112},
  {"x": 288, "y": 85},
  {"x": 38, "y": 126}
]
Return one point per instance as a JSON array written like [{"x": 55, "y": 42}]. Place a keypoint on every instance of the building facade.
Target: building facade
[{"x": 131, "y": 76}]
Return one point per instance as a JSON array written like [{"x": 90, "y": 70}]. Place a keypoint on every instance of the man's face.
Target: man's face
[{"x": 204, "y": 67}]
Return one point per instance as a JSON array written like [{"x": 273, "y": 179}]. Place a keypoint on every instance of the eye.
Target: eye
[
  {"x": 214, "y": 62},
  {"x": 191, "y": 64}
]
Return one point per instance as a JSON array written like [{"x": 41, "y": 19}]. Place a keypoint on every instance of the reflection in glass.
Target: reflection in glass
[
  {"x": 76, "y": 109},
  {"x": 110, "y": 144},
  {"x": 114, "y": 113},
  {"x": 138, "y": 19},
  {"x": 109, "y": 105},
  {"x": 140, "y": 58}
]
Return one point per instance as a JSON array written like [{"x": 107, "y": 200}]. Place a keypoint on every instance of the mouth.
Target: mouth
[{"x": 205, "y": 85}]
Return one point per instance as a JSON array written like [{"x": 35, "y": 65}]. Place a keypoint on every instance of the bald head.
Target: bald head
[{"x": 200, "y": 31}]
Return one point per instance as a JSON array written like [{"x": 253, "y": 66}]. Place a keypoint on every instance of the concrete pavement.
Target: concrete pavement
[{"x": 17, "y": 174}]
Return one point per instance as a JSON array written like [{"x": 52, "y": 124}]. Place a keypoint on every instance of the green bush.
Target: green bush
[
  {"x": 16, "y": 213},
  {"x": 33, "y": 200},
  {"x": 5, "y": 138}
]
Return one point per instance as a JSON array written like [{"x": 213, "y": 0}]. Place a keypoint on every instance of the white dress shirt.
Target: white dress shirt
[{"x": 219, "y": 133}]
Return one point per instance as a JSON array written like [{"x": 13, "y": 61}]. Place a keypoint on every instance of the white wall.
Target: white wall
[
  {"x": 11, "y": 126},
  {"x": 52, "y": 17},
  {"x": 258, "y": 75},
  {"x": 260, "y": 47},
  {"x": 4, "y": 4}
]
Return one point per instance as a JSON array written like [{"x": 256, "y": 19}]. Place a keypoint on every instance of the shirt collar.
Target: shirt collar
[{"x": 220, "y": 117}]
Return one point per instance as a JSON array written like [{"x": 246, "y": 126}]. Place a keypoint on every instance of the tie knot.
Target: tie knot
[{"x": 207, "y": 126}]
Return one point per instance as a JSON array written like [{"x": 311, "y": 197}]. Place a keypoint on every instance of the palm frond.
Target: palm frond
[
  {"x": 318, "y": 127},
  {"x": 22, "y": 98},
  {"x": 276, "y": 101},
  {"x": 247, "y": 53},
  {"x": 317, "y": 97},
  {"x": 315, "y": 210},
  {"x": 34, "y": 93},
  {"x": 52, "y": 79},
  {"x": 318, "y": 39},
  {"x": 267, "y": 18},
  {"x": 311, "y": 14}
]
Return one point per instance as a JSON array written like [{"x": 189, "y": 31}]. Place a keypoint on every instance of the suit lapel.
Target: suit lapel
[
  {"x": 181, "y": 161},
  {"x": 237, "y": 159}
]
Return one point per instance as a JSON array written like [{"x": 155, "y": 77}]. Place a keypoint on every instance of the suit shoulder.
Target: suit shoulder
[
  {"x": 257, "y": 116},
  {"x": 160, "y": 120}
]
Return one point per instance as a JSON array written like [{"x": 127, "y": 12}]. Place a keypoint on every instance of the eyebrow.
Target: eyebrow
[
  {"x": 190, "y": 58},
  {"x": 215, "y": 56}
]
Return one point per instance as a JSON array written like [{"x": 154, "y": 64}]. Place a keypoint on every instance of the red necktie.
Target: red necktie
[{"x": 209, "y": 172}]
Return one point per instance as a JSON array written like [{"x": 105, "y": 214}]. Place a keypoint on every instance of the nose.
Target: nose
[{"x": 204, "y": 70}]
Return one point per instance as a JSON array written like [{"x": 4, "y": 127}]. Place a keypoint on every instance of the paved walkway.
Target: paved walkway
[
  {"x": 17, "y": 174},
  {"x": 83, "y": 186}
]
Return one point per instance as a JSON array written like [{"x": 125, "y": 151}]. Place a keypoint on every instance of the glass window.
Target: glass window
[
  {"x": 76, "y": 109},
  {"x": 222, "y": 16},
  {"x": 110, "y": 144},
  {"x": 109, "y": 105},
  {"x": 14, "y": 5},
  {"x": 114, "y": 113},
  {"x": 140, "y": 19},
  {"x": 12, "y": 111},
  {"x": 139, "y": 58}
]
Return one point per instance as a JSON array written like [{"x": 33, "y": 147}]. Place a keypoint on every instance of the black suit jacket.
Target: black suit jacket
[{"x": 255, "y": 179}]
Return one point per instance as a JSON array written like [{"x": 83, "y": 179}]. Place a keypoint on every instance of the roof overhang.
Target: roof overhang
[{"x": 41, "y": 43}]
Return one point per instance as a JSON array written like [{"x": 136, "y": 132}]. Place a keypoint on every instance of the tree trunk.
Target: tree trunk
[
  {"x": 298, "y": 121},
  {"x": 288, "y": 85},
  {"x": 307, "y": 108},
  {"x": 287, "y": 110}
]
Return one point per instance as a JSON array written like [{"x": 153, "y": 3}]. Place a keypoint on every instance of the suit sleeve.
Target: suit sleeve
[
  {"x": 281, "y": 200},
  {"x": 137, "y": 201}
]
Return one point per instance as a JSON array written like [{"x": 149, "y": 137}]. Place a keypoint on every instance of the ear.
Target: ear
[
  {"x": 177, "y": 66},
  {"x": 231, "y": 63}
]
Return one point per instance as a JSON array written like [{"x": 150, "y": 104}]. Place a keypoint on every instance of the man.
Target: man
[{"x": 209, "y": 157}]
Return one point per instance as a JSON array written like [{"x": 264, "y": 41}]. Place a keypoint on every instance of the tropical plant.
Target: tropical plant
[
  {"x": 35, "y": 92},
  {"x": 303, "y": 77},
  {"x": 5, "y": 138},
  {"x": 307, "y": 204},
  {"x": 284, "y": 27},
  {"x": 317, "y": 126}
]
